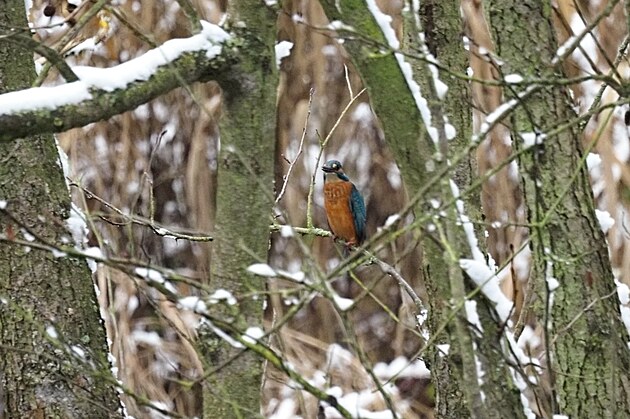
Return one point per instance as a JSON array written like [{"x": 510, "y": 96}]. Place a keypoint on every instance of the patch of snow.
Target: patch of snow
[
  {"x": 93, "y": 255},
  {"x": 401, "y": 367},
  {"x": 286, "y": 231},
  {"x": 227, "y": 338},
  {"x": 343, "y": 303},
  {"x": 606, "y": 221},
  {"x": 283, "y": 50},
  {"x": 623, "y": 292},
  {"x": 52, "y": 332},
  {"x": 147, "y": 338},
  {"x": 78, "y": 351},
  {"x": 479, "y": 272},
  {"x": 469, "y": 229},
  {"x": 384, "y": 22},
  {"x": 262, "y": 269},
  {"x": 193, "y": 303},
  {"x": 252, "y": 334},
  {"x": 531, "y": 139},
  {"x": 472, "y": 316},
  {"x": 222, "y": 295},
  {"x": 338, "y": 358},
  {"x": 77, "y": 226},
  {"x": 391, "y": 220},
  {"x": 513, "y": 78},
  {"x": 339, "y": 25}
]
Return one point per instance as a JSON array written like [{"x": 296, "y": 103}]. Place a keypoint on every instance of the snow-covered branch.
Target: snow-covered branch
[{"x": 101, "y": 93}]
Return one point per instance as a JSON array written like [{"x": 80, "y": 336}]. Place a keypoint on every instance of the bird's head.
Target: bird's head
[{"x": 334, "y": 167}]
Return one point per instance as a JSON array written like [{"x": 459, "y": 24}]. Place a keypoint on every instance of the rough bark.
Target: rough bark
[
  {"x": 471, "y": 351},
  {"x": 442, "y": 23},
  {"x": 40, "y": 377},
  {"x": 454, "y": 375},
  {"x": 414, "y": 153},
  {"x": 588, "y": 364},
  {"x": 244, "y": 202}
]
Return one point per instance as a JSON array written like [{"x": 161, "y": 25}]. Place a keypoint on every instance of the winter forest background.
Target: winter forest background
[{"x": 490, "y": 141}]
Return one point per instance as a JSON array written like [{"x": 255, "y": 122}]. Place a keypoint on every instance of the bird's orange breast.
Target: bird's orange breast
[{"x": 337, "y": 205}]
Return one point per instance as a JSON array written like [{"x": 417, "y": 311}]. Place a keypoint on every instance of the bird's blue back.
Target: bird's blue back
[{"x": 357, "y": 206}]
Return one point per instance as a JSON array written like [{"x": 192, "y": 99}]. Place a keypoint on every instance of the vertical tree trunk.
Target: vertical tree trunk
[
  {"x": 589, "y": 358},
  {"x": 244, "y": 203},
  {"x": 454, "y": 373},
  {"x": 475, "y": 361},
  {"x": 39, "y": 378}
]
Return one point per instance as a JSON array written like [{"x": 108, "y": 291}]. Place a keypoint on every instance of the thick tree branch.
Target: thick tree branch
[{"x": 100, "y": 101}]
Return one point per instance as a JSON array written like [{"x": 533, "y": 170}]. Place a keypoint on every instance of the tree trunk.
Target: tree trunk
[
  {"x": 42, "y": 296},
  {"x": 453, "y": 372},
  {"x": 244, "y": 203},
  {"x": 475, "y": 364},
  {"x": 588, "y": 358}
]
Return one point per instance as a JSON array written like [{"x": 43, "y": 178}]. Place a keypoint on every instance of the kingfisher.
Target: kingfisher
[{"x": 344, "y": 205}]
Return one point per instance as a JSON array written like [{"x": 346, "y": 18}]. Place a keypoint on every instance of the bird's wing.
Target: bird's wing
[{"x": 357, "y": 206}]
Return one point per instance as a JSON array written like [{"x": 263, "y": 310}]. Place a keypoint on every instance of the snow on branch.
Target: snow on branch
[{"x": 101, "y": 93}]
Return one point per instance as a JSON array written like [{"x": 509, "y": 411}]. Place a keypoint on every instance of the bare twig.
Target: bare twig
[
  {"x": 299, "y": 152},
  {"x": 191, "y": 14},
  {"x": 157, "y": 228},
  {"x": 391, "y": 271},
  {"x": 50, "y": 54}
]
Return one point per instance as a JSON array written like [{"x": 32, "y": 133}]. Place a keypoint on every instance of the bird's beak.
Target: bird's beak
[{"x": 327, "y": 169}]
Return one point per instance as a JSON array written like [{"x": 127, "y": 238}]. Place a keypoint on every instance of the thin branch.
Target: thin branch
[
  {"x": 391, "y": 271},
  {"x": 299, "y": 152},
  {"x": 121, "y": 15},
  {"x": 50, "y": 54},
  {"x": 157, "y": 228},
  {"x": 311, "y": 190},
  {"x": 191, "y": 14},
  {"x": 71, "y": 34}
]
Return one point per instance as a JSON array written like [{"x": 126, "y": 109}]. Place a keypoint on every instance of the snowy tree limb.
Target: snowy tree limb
[{"x": 103, "y": 93}]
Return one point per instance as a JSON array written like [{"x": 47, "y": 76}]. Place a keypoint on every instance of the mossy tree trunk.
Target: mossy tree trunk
[
  {"x": 41, "y": 376},
  {"x": 588, "y": 359},
  {"x": 476, "y": 363},
  {"x": 244, "y": 203},
  {"x": 454, "y": 373}
]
